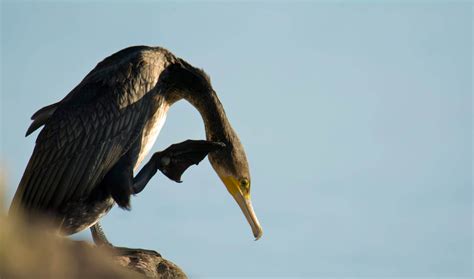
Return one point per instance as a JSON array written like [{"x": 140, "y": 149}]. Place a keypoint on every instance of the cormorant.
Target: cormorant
[{"x": 95, "y": 137}]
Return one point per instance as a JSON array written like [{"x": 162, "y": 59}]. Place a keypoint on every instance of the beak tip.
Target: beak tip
[{"x": 258, "y": 235}]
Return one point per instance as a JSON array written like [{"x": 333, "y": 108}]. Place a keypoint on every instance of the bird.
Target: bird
[{"x": 94, "y": 139}]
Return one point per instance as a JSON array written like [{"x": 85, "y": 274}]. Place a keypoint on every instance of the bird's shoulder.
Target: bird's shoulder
[
  {"x": 113, "y": 94},
  {"x": 137, "y": 62},
  {"x": 117, "y": 82}
]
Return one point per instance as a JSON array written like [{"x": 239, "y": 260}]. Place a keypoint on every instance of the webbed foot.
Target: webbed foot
[{"x": 174, "y": 160}]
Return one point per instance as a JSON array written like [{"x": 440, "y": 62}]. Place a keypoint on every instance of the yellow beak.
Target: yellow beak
[{"x": 245, "y": 204}]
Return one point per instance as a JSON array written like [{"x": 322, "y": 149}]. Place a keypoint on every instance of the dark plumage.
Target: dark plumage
[{"x": 94, "y": 138}]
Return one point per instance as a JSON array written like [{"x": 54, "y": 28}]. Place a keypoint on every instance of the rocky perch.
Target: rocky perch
[
  {"x": 33, "y": 251},
  {"x": 147, "y": 262}
]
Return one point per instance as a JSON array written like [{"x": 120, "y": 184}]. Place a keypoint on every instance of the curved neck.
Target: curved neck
[
  {"x": 193, "y": 85},
  {"x": 212, "y": 112}
]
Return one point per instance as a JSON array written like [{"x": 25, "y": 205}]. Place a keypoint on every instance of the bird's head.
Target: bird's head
[{"x": 230, "y": 164}]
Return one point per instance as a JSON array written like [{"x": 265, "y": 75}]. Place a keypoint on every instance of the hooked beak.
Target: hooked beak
[{"x": 245, "y": 204}]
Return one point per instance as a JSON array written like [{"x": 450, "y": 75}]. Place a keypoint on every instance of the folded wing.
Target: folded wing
[{"x": 86, "y": 133}]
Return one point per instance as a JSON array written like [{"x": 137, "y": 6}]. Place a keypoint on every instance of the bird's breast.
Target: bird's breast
[{"x": 151, "y": 131}]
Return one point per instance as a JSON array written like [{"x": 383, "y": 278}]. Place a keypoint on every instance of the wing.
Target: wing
[{"x": 87, "y": 132}]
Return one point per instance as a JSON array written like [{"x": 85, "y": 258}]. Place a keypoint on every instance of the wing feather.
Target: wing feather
[{"x": 87, "y": 132}]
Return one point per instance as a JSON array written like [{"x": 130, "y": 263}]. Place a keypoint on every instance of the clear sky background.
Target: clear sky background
[{"x": 356, "y": 118}]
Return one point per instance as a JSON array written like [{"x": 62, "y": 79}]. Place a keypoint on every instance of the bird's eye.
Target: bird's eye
[{"x": 244, "y": 183}]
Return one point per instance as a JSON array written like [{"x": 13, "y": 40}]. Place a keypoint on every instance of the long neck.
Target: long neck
[
  {"x": 212, "y": 112},
  {"x": 182, "y": 81},
  {"x": 186, "y": 82}
]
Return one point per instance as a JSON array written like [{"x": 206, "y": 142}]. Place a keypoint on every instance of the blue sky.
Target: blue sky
[{"x": 356, "y": 118}]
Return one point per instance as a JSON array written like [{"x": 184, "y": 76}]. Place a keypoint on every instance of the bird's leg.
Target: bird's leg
[
  {"x": 98, "y": 236},
  {"x": 100, "y": 239},
  {"x": 143, "y": 176},
  {"x": 174, "y": 160}
]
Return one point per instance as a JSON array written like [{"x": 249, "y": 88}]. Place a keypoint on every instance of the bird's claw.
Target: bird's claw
[{"x": 174, "y": 160}]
